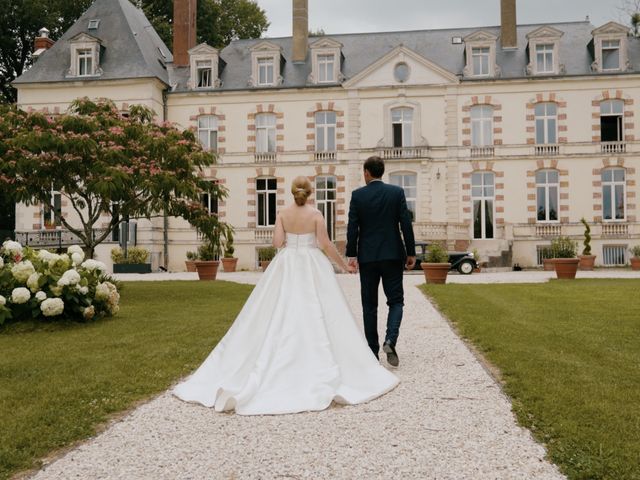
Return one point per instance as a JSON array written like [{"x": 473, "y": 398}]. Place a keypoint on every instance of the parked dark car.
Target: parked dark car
[{"x": 464, "y": 262}]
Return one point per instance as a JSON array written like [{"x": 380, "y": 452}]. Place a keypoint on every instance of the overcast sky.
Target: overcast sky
[{"x": 351, "y": 16}]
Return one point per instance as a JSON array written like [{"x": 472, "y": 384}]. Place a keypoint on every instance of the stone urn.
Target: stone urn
[
  {"x": 566, "y": 268},
  {"x": 229, "y": 264},
  {"x": 207, "y": 269},
  {"x": 586, "y": 262},
  {"x": 435, "y": 272}
]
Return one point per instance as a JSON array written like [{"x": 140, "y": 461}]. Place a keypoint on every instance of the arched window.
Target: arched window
[
  {"x": 613, "y": 194},
  {"x": 482, "y": 196},
  {"x": 481, "y": 125},
  {"x": 547, "y": 195}
]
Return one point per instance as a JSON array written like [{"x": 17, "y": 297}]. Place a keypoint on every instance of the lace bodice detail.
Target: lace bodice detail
[{"x": 303, "y": 240}]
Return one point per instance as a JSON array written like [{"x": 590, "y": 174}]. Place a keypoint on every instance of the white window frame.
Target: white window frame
[
  {"x": 266, "y": 66},
  {"x": 607, "y": 46},
  {"x": 208, "y": 132},
  {"x": 405, "y": 121},
  {"x": 549, "y": 123},
  {"x": 201, "y": 58},
  {"x": 408, "y": 181},
  {"x": 84, "y": 56},
  {"x": 481, "y": 54},
  {"x": 479, "y": 40},
  {"x": 325, "y": 131},
  {"x": 50, "y": 215},
  {"x": 613, "y": 186},
  {"x": 602, "y": 38},
  {"x": 548, "y": 187},
  {"x": 324, "y": 52},
  {"x": 482, "y": 126},
  {"x": 482, "y": 196},
  {"x": 545, "y": 58},
  {"x": 269, "y": 199},
  {"x": 326, "y": 68},
  {"x": 611, "y": 112},
  {"x": 266, "y": 133},
  {"x": 204, "y": 73},
  {"x": 86, "y": 47},
  {"x": 326, "y": 200},
  {"x": 209, "y": 202}
]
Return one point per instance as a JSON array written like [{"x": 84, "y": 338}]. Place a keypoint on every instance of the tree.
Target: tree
[
  {"x": 219, "y": 22},
  {"x": 630, "y": 10},
  {"x": 103, "y": 163}
]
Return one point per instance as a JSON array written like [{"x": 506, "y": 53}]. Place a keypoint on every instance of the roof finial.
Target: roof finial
[{"x": 44, "y": 32}]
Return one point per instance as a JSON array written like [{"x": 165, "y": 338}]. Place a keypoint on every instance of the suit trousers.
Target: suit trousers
[{"x": 390, "y": 272}]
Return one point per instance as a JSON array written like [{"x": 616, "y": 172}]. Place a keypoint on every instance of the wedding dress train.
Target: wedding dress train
[{"x": 294, "y": 347}]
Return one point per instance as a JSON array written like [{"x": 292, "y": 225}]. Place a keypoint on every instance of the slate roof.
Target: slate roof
[
  {"x": 362, "y": 49},
  {"x": 132, "y": 48}
]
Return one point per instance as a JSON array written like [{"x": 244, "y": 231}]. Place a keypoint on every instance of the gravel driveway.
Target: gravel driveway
[{"x": 448, "y": 419}]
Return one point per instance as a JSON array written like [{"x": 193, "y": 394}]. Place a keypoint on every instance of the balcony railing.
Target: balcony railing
[
  {"x": 477, "y": 152},
  {"x": 403, "y": 152},
  {"x": 615, "y": 230},
  {"x": 325, "y": 156},
  {"x": 263, "y": 235},
  {"x": 53, "y": 238},
  {"x": 613, "y": 147},
  {"x": 265, "y": 157},
  {"x": 548, "y": 230},
  {"x": 546, "y": 150}
]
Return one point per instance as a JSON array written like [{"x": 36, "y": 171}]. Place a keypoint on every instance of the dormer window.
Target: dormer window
[
  {"x": 94, "y": 24},
  {"x": 326, "y": 59},
  {"x": 480, "y": 54},
  {"x": 85, "y": 56},
  {"x": 204, "y": 61},
  {"x": 543, "y": 48},
  {"x": 610, "y": 45},
  {"x": 266, "y": 58}
]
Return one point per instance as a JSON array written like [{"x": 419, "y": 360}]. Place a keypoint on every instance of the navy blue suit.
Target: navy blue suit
[{"x": 377, "y": 214}]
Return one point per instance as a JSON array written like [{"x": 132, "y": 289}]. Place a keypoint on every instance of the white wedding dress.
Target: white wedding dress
[{"x": 294, "y": 347}]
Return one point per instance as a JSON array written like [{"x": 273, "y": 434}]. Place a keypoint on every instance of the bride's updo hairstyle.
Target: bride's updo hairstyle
[{"x": 301, "y": 189}]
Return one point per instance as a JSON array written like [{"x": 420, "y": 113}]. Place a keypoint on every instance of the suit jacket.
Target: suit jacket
[{"x": 377, "y": 213}]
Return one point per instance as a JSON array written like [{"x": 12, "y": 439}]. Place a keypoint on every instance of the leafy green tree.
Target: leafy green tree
[{"x": 102, "y": 164}]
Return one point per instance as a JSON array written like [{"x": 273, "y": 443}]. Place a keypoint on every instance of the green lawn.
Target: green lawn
[
  {"x": 569, "y": 355},
  {"x": 58, "y": 383}
]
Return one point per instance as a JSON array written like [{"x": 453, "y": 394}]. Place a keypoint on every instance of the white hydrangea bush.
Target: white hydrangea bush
[{"x": 38, "y": 284}]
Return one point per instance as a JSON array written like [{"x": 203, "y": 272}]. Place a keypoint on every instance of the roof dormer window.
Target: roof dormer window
[
  {"x": 610, "y": 48},
  {"x": 480, "y": 54},
  {"x": 326, "y": 60},
  {"x": 266, "y": 59},
  {"x": 611, "y": 55},
  {"x": 85, "y": 56},
  {"x": 543, "y": 48},
  {"x": 204, "y": 66},
  {"x": 94, "y": 24}
]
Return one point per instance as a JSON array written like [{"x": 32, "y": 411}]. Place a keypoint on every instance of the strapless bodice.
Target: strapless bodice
[{"x": 302, "y": 240}]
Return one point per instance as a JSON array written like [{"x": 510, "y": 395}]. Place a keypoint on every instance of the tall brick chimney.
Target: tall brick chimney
[
  {"x": 508, "y": 35},
  {"x": 184, "y": 30},
  {"x": 300, "y": 30},
  {"x": 42, "y": 42}
]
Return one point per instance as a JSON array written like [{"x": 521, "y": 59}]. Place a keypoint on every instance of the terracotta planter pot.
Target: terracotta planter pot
[
  {"x": 191, "y": 265},
  {"x": 207, "y": 269},
  {"x": 586, "y": 262},
  {"x": 264, "y": 264},
  {"x": 435, "y": 272},
  {"x": 566, "y": 268},
  {"x": 635, "y": 263},
  {"x": 229, "y": 264},
  {"x": 547, "y": 264}
]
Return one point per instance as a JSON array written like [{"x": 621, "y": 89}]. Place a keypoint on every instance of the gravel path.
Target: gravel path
[{"x": 447, "y": 419}]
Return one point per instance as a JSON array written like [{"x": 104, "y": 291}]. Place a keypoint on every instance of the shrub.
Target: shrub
[
  {"x": 635, "y": 251},
  {"x": 134, "y": 255},
  {"x": 564, "y": 247},
  {"x": 228, "y": 246},
  {"x": 436, "y": 254},
  {"x": 192, "y": 256},
  {"x": 587, "y": 238},
  {"x": 266, "y": 254},
  {"x": 38, "y": 284},
  {"x": 547, "y": 252},
  {"x": 207, "y": 252}
]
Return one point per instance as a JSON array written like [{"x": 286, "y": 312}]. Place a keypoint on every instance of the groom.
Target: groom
[{"x": 377, "y": 213}]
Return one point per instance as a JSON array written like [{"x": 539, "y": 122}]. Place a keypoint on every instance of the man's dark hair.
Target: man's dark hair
[{"x": 375, "y": 166}]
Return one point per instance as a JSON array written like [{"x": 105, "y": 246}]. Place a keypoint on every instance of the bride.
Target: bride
[{"x": 295, "y": 346}]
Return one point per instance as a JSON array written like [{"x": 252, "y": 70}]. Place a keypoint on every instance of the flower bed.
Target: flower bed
[{"x": 38, "y": 284}]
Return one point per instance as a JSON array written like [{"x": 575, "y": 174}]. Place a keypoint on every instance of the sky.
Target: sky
[{"x": 354, "y": 16}]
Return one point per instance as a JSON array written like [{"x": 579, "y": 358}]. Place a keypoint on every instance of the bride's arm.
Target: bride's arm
[
  {"x": 327, "y": 245},
  {"x": 278, "y": 234}
]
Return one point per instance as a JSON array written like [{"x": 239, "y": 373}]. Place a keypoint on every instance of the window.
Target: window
[
  {"x": 480, "y": 60},
  {"x": 208, "y": 132},
  {"x": 547, "y": 194},
  {"x": 481, "y": 125},
  {"x": 546, "y": 123},
  {"x": 326, "y": 202},
  {"x": 204, "y": 73},
  {"x": 611, "y": 55},
  {"x": 544, "y": 58},
  {"x": 402, "y": 126},
  {"x": 408, "y": 182},
  {"x": 326, "y": 68},
  {"x": 52, "y": 210},
  {"x": 265, "y": 133},
  {"x": 611, "y": 113},
  {"x": 85, "y": 62},
  {"x": 614, "y": 254},
  {"x": 482, "y": 195},
  {"x": 266, "y": 188},
  {"x": 94, "y": 24},
  {"x": 613, "y": 194},
  {"x": 325, "y": 131},
  {"x": 210, "y": 203},
  {"x": 401, "y": 72},
  {"x": 265, "y": 71}
]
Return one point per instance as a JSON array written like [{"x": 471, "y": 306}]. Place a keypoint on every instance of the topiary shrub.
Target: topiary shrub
[{"x": 587, "y": 238}]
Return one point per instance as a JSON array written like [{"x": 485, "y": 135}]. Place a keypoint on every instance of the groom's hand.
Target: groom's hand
[
  {"x": 411, "y": 262},
  {"x": 353, "y": 262}
]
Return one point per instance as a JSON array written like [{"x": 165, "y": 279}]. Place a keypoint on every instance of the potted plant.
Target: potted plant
[
  {"x": 265, "y": 255},
  {"x": 214, "y": 234},
  {"x": 229, "y": 262},
  {"x": 547, "y": 258},
  {"x": 190, "y": 262},
  {"x": 436, "y": 264},
  {"x": 566, "y": 262},
  {"x": 635, "y": 257},
  {"x": 476, "y": 255},
  {"x": 586, "y": 259},
  {"x": 133, "y": 261}
]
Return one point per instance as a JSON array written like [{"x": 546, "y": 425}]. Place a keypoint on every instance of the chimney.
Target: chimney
[
  {"x": 508, "y": 35},
  {"x": 184, "y": 30},
  {"x": 300, "y": 30},
  {"x": 42, "y": 43}
]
